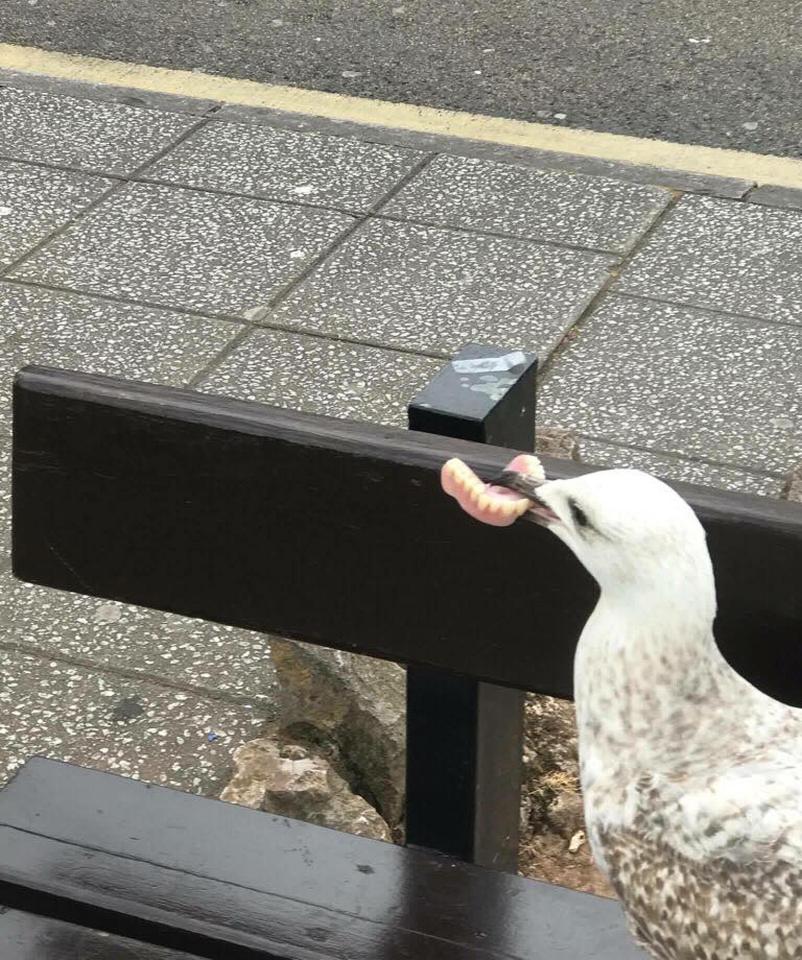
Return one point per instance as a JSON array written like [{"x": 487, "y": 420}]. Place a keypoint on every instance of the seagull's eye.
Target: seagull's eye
[{"x": 579, "y": 515}]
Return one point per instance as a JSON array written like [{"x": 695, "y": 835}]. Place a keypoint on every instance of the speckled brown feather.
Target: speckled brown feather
[
  {"x": 680, "y": 909},
  {"x": 691, "y": 777}
]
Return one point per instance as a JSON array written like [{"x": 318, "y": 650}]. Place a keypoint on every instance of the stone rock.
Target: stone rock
[
  {"x": 792, "y": 490},
  {"x": 557, "y": 442},
  {"x": 353, "y": 708},
  {"x": 288, "y": 781}
]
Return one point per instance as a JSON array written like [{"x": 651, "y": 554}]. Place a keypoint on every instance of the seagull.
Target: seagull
[{"x": 691, "y": 777}]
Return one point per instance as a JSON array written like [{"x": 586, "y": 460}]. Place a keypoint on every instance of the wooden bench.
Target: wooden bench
[{"x": 335, "y": 533}]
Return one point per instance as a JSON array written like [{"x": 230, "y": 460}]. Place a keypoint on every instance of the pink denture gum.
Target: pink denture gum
[{"x": 490, "y": 504}]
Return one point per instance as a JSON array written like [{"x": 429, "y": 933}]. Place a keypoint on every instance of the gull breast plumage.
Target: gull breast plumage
[{"x": 691, "y": 777}]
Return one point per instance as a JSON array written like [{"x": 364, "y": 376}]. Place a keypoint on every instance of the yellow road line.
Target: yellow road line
[{"x": 762, "y": 168}]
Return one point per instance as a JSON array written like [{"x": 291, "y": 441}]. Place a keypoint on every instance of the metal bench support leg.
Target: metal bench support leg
[{"x": 464, "y": 737}]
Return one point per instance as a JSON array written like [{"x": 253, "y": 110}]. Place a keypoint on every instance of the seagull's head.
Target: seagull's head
[{"x": 630, "y": 530}]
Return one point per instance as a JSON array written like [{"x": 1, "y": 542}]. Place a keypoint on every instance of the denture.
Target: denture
[{"x": 497, "y": 506}]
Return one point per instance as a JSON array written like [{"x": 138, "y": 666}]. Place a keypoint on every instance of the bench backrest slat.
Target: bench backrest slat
[{"x": 337, "y": 533}]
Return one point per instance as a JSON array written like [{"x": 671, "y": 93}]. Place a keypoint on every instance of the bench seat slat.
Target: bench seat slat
[
  {"x": 193, "y": 873},
  {"x": 26, "y": 936}
]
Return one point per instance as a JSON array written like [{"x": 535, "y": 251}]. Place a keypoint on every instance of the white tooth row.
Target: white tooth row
[{"x": 464, "y": 480}]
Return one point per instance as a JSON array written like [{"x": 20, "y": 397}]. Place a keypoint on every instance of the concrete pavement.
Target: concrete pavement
[{"x": 259, "y": 256}]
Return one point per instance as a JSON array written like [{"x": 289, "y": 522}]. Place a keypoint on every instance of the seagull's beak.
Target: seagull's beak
[
  {"x": 527, "y": 485},
  {"x": 519, "y": 482}
]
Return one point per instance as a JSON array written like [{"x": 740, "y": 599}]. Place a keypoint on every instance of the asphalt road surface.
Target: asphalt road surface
[{"x": 715, "y": 72}]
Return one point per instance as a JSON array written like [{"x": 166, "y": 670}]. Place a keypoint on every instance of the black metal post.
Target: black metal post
[{"x": 464, "y": 737}]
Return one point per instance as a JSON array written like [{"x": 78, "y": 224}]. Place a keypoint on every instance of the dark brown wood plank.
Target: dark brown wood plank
[
  {"x": 26, "y": 936},
  {"x": 222, "y": 881},
  {"x": 337, "y": 533}
]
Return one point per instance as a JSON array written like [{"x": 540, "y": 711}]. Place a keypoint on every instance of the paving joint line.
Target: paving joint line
[
  {"x": 249, "y": 328},
  {"x": 317, "y": 261},
  {"x": 364, "y": 342},
  {"x": 114, "y": 189},
  {"x": 247, "y": 195},
  {"x": 221, "y": 317},
  {"x": 64, "y": 167},
  {"x": 678, "y": 457},
  {"x": 373, "y": 209},
  {"x": 60, "y": 231},
  {"x": 224, "y": 353},
  {"x": 193, "y": 128},
  {"x": 749, "y": 319},
  {"x": 128, "y": 673},
  {"x": 370, "y": 212},
  {"x": 606, "y": 288},
  {"x": 119, "y": 298},
  {"x": 503, "y": 235},
  {"x": 331, "y": 208}
]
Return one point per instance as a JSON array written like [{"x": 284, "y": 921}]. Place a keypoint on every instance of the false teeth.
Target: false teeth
[{"x": 490, "y": 504}]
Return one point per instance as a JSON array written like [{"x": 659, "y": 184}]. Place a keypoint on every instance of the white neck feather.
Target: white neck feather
[{"x": 646, "y": 654}]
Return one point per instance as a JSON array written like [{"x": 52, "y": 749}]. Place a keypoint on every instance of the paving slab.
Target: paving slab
[
  {"x": 211, "y": 657},
  {"x": 685, "y": 381},
  {"x": 679, "y": 468},
  {"x": 106, "y": 722},
  {"x": 85, "y": 134},
  {"x": 424, "y": 288},
  {"x": 739, "y": 257},
  {"x": 101, "y": 336},
  {"x": 534, "y": 204},
  {"x": 177, "y": 247},
  {"x": 487, "y": 150},
  {"x": 322, "y": 376},
  {"x": 35, "y": 201},
  {"x": 285, "y": 165}
]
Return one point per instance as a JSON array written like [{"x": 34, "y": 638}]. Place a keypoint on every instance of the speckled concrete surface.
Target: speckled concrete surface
[
  {"x": 738, "y": 257},
  {"x": 534, "y": 204},
  {"x": 5, "y": 501},
  {"x": 322, "y": 376},
  {"x": 679, "y": 468},
  {"x": 425, "y": 288},
  {"x": 131, "y": 727},
  {"x": 35, "y": 201},
  {"x": 687, "y": 393},
  {"x": 285, "y": 165},
  {"x": 680, "y": 380},
  {"x": 183, "y": 248},
  {"x": 86, "y": 134},
  {"x": 218, "y": 660},
  {"x": 101, "y": 336}
]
